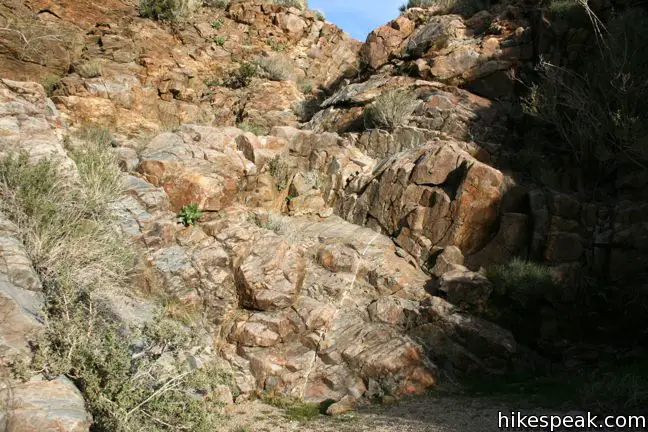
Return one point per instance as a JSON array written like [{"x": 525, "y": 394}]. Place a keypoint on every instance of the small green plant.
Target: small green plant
[
  {"x": 276, "y": 46},
  {"x": 217, "y": 24},
  {"x": 189, "y": 214},
  {"x": 319, "y": 15},
  {"x": 220, "y": 40},
  {"x": 242, "y": 76},
  {"x": 213, "y": 81},
  {"x": 163, "y": 10},
  {"x": 390, "y": 110},
  {"x": 306, "y": 86},
  {"x": 253, "y": 128},
  {"x": 50, "y": 83},
  {"x": 294, "y": 409}
]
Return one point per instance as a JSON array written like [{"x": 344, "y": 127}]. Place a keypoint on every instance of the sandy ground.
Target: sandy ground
[
  {"x": 432, "y": 414},
  {"x": 429, "y": 414}
]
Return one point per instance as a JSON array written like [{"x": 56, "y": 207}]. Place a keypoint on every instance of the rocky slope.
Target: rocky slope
[{"x": 330, "y": 261}]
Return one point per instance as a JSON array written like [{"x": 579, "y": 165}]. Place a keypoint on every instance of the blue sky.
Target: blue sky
[{"x": 358, "y": 17}]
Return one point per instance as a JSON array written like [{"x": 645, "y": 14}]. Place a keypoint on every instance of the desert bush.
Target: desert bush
[
  {"x": 220, "y": 40},
  {"x": 253, "y": 128},
  {"x": 466, "y": 7},
  {"x": 523, "y": 280},
  {"x": 169, "y": 10},
  {"x": 277, "y": 67},
  {"x": 89, "y": 69},
  {"x": 131, "y": 379},
  {"x": 242, "y": 76},
  {"x": 600, "y": 114},
  {"x": 220, "y": 4},
  {"x": 301, "y": 4},
  {"x": 50, "y": 83},
  {"x": 319, "y": 15},
  {"x": 390, "y": 110}
]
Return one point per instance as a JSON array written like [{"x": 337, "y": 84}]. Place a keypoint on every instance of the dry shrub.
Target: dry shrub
[{"x": 390, "y": 110}]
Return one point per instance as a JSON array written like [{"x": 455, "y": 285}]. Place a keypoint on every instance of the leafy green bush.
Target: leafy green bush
[
  {"x": 217, "y": 24},
  {"x": 390, "y": 110},
  {"x": 242, "y": 76},
  {"x": 189, "y": 214},
  {"x": 220, "y": 40},
  {"x": 169, "y": 10}
]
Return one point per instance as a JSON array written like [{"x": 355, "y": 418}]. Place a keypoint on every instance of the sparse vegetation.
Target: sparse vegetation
[
  {"x": 164, "y": 10},
  {"x": 242, "y": 76},
  {"x": 189, "y": 214},
  {"x": 220, "y": 40},
  {"x": 220, "y": 4},
  {"x": 390, "y": 110},
  {"x": 292, "y": 3},
  {"x": 269, "y": 221},
  {"x": 67, "y": 228},
  {"x": 599, "y": 114},
  {"x": 253, "y": 128},
  {"x": 89, "y": 69},
  {"x": 319, "y": 15},
  {"x": 294, "y": 409},
  {"x": 276, "y": 46},
  {"x": 277, "y": 67},
  {"x": 523, "y": 280},
  {"x": 50, "y": 83},
  {"x": 217, "y": 24},
  {"x": 467, "y": 7}
]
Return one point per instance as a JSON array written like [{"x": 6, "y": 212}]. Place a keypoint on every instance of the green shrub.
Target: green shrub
[
  {"x": 523, "y": 280},
  {"x": 242, "y": 76},
  {"x": 50, "y": 83},
  {"x": 220, "y": 40},
  {"x": 169, "y": 10},
  {"x": 189, "y": 214},
  {"x": 390, "y": 110},
  {"x": 217, "y": 24},
  {"x": 276, "y": 46},
  {"x": 319, "y": 15}
]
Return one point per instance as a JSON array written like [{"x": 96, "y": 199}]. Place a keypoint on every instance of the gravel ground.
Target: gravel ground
[{"x": 428, "y": 414}]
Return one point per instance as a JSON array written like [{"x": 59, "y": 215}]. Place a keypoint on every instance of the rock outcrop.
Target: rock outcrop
[{"x": 331, "y": 261}]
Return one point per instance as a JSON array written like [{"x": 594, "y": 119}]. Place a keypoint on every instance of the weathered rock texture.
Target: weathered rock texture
[{"x": 331, "y": 262}]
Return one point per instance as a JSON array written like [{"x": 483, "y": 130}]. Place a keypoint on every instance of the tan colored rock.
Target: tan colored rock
[
  {"x": 41, "y": 405},
  {"x": 271, "y": 276},
  {"x": 346, "y": 404},
  {"x": 385, "y": 41}
]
